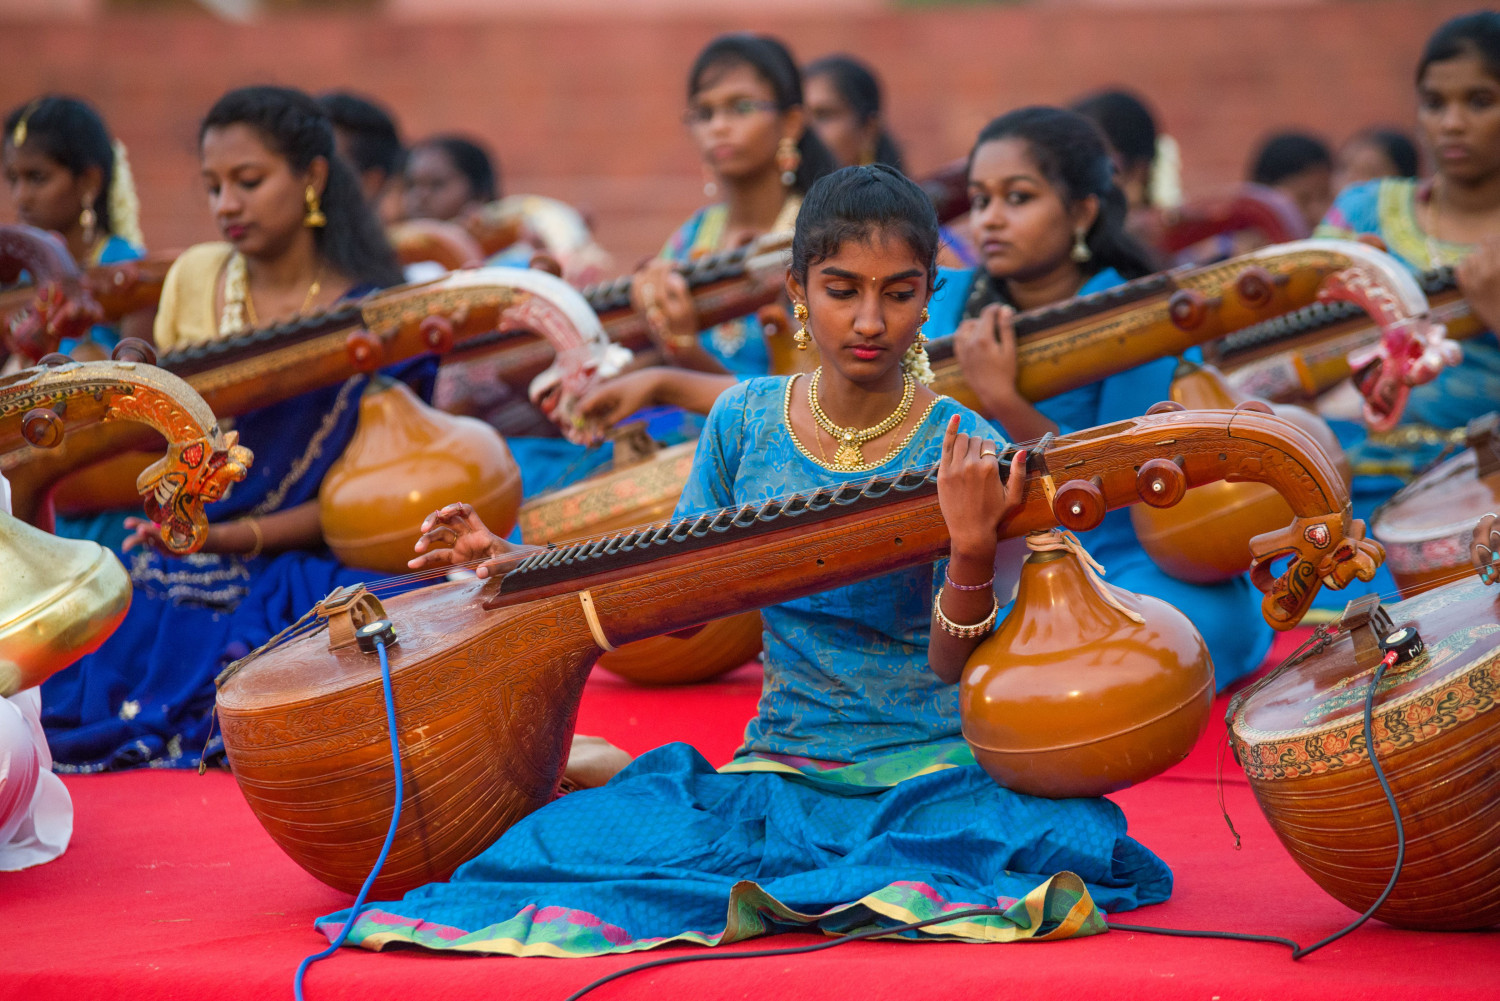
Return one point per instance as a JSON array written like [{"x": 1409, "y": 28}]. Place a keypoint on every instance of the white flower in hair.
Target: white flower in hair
[
  {"x": 1166, "y": 174},
  {"x": 124, "y": 205}
]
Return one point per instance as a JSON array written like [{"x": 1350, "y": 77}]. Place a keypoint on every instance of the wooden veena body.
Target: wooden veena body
[
  {"x": 1299, "y": 734},
  {"x": 487, "y": 677},
  {"x": 1426, "y": 527},
  {"x": 1204, "y": 538},
  {"x": 405, "y": 461}
]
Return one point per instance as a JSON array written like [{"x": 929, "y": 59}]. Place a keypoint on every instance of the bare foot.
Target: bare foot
[{"x": 592, "y": 762}]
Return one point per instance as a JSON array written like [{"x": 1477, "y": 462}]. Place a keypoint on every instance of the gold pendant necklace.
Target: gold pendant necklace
[{"x": 850, "y": 454}]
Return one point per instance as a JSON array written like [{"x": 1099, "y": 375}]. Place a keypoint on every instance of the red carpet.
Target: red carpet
[{"x": 172, "y": 890}]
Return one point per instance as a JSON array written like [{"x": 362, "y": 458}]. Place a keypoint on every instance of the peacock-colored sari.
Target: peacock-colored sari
[{"x": 854, "y": 802}]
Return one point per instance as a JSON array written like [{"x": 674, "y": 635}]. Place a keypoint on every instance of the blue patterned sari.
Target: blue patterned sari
[{"x": 854, "y": 802}]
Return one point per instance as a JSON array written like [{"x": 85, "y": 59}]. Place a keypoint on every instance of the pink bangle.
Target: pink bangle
[{"x": 968, "y": 587}]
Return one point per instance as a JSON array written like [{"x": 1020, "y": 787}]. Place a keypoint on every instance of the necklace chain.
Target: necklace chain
[
  {"x": 239, "y": 308},
  {"x": 850, "y": 453},
  {"x": 1434, "y": 259},
  {"x": 897, "y": 449}
]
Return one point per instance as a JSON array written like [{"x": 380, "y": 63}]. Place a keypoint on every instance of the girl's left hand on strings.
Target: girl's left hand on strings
[
  {"x": 455, "y": 536},
  {"x": 609, "y": 401},
  {"x": 974, "y": 503}
]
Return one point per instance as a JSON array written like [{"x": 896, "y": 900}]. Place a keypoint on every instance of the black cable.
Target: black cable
[
  {"x": 1297, "y": 951},
  {"x": 700, "y": 957}
]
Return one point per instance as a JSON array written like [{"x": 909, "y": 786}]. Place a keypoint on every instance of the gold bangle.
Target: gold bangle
[
  {"x": 963, "y": 632},
  {"x": 260, "y": 539}
]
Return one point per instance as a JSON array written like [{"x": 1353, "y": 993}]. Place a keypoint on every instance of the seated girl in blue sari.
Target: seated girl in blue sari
[
  {"x": 1049, "y": 221},
  {"x": 854, "y": 801},
  {"x": 66, "y": 174},
  {"x": 299, "y": 238},
  {"x": 1451, "y": 219}
]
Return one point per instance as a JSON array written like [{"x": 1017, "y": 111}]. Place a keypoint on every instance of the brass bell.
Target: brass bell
[{"x": 59, "y": 599}]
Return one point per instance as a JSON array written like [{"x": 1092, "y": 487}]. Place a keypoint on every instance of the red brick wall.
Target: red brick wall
[{"x": 585, "y": 107}]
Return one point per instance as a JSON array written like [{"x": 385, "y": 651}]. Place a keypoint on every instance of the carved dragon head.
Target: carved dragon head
[
  {"x": 1413, "y": 348},
  {"x": 1324, "y": 549},
  {"x": 193, "y": 473}
]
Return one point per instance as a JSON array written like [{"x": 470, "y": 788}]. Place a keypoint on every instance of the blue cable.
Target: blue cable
[{"x": 390, "y": 836}]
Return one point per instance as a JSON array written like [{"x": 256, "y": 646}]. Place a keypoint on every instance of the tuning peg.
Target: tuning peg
[
  {"x": 1160, "y": 482},
  {"x": 1079, "y": 505}
]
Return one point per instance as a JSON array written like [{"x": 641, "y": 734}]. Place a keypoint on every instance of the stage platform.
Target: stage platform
[{"x": 171, "y": 890}]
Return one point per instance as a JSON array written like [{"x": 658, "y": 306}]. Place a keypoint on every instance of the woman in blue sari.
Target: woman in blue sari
[
  {"x": 66, "y": 174},
  {"x": 854, "y": 802},
  {"x": 298, "y": 238},
  {"x": 1451, "y": 219},
  {"x": 1050, "y": 224},
  {"x": 745, "y": 113}
]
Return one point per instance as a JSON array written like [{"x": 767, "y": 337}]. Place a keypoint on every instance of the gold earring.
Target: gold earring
[
  {"x": 1080, "y": 252},
  {"x": 314, "y": 219},
  {"x": 88, "y": 220},
  {"x": 802, "y": 337},
  {"x": 915, "y": 361},
  {"x": 788, "y": 158}
]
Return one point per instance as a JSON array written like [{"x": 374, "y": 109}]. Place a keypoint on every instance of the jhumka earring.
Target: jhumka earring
[
  {"x": 915, "y": 361},
  {"x": 314, "y": 219},
  {"x": 710, "y": 185},
  {"x": 1080, "y": 252},
  {"x": 802, "y": 337},
  {"x": 788, "y": 158}
]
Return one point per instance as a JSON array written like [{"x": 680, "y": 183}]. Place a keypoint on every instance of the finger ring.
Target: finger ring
[{"x": 986, "y": 455}]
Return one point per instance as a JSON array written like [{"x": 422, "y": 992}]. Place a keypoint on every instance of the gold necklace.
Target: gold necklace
[
  {"x": 1437, "y": 258},
  {"x": 239, "y": 307},
  {"x": 850, "y": 454},
  {"x": 1434, "y": 259},
  {"x": 897, "y": 449}
]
